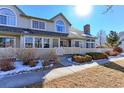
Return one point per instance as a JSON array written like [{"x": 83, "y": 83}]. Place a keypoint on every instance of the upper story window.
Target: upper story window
[
  {"x": 38, "y": 24},
  {"x": 7, "y": 17},
  {"x": 60, "y": 27}
]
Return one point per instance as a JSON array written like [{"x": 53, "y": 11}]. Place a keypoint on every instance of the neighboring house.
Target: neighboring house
[
  {"x": 121, "y": 35},
  {"x": 19, "y": 30}
]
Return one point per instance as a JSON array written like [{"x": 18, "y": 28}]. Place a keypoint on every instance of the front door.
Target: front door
[{"x": 64, "y": 43}]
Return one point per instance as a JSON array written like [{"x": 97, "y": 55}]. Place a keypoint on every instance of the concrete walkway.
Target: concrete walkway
[{"x": 22, "y": 80}]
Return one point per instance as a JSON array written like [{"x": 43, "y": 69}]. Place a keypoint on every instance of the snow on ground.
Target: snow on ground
[{"x": 19, "y": 67}]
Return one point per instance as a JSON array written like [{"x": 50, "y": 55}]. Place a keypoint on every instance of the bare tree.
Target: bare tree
[
  {"x": 101, "y": 38},
  {"x": 109, "y": 7}
]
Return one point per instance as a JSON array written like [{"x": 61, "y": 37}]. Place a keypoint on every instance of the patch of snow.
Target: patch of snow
[
  {"x": 96, "y": 62},
  {"x": 19, "y": 67},
  {"x": 51, "y": 65}
]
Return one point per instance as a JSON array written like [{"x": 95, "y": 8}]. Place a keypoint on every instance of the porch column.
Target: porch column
[
  {"x": 51, "y": 42},
  {"x": 59, "y": 42},
  {"x": 22, "y": 41},
  {"x": 42, "y": 42}
]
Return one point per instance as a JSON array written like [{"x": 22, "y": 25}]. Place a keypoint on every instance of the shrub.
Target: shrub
[
  {"x": 7, "y": 64},
  {"x": 118, "y": 49},
  {"x": 27, "y": 56},
  {"x": 88, "y": 58},
  {"x": 78, "y": 59},
  {"x": 97, "y": 55},
  {"x": 107, "y": 53},
  {"x": 32, "y": 63},
  {"x": 7, "y": 59},
  {"x": 81, "y": 59},
  {"x": 113, "y": 53},
  {"x": 74, "y": 57},
  {"x": 50, "y": 58}
]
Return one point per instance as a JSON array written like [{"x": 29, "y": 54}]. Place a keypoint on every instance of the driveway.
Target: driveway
[{"x": 22, "y": 80}]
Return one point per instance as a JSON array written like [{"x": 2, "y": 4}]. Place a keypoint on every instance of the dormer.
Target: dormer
[{"x": 61, "y": 24}]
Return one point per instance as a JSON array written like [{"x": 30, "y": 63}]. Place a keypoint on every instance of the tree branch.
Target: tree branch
[{"x": 109, "y": 7}]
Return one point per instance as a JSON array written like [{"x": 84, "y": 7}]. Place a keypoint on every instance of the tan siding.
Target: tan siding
[
  {"x": 61, "y": 18},
  {"x": 26, "y": 22}
]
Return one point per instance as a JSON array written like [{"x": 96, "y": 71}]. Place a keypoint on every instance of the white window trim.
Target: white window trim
[
  {"x": 58, "y": 41},
  {"x": 38, "y": 38},
  {"x": 49, "y": 41},
  {"x": 90, "y": 42},
  {"x": 77, "y": 41},
  {"x": 15, "y": 17},
  {"x": 50, "y": 38},
  {"x": 56, "y": 28},
  {"x": 28, "y": 37},
  {"x": 10, "y": 37},
  {"x": 38, "y": 21}
]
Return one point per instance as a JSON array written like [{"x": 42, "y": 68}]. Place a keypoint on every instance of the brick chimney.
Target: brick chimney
[{"x": 87, "y": 29}]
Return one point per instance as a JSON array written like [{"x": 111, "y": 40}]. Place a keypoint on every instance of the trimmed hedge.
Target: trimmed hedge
[
  {"x": 97, "y": 55},
  {"x": 81, "y": 59}
]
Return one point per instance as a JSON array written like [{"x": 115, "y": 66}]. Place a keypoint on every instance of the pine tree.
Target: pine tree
[{"x": 113, "y": 39}]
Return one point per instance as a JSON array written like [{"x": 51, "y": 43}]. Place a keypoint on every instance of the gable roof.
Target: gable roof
[
  {"x": 50, "y": 20},
  {"x": 19, "y": 9},
  {"x": 60, "y": 14}
]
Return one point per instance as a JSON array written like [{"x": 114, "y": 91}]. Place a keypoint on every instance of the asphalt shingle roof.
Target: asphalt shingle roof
[
  {"x": 24, "y": 31},
  {"x": 77, "y": 34}
]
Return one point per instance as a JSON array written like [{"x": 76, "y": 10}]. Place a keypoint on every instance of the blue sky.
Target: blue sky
[{"x": 113, "y": 20}]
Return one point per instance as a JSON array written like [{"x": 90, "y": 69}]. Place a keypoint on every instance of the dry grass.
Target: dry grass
[{"x": 105, "y": 76}]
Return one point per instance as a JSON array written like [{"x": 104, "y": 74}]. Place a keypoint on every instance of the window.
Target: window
[
  {"x": 60, "y": 27},
  {"x": 7, "y": 17},
  {"x": 46, "y": 43},
  {"x": 38, "y": 42},
  {"x": 55, "y": 42},
  {"x": 38, "y": 25},
  {"x": 28, "y": 42},
  {"x": 77, "y": 43},
  {"x": 90, "y": 43},
  {"x": 87, "y": 45},
  {"x": 7, "y": 42}
]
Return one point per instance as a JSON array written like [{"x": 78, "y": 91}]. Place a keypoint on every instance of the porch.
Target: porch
[{"x": 28, "y": 41}]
